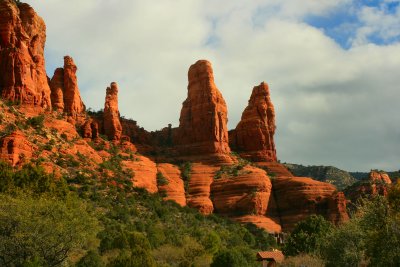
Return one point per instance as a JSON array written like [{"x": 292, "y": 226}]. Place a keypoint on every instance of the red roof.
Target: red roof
[{"x": 275, "y": 255}]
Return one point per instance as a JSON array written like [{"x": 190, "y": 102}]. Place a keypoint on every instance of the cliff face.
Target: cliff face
[
  {"x": 377, "y": 183},
  {"x": 254, "y": 135},
  {"x": 22, "y": 38},
  {"x": 203, "y": 121},
  {"x": 65, "y": 93},
  {"x": 265, "y": 193},
  {"x": 112, "y": 125}
]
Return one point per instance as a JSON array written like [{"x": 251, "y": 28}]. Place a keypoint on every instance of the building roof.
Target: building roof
[{"x": 275, "y": 255}]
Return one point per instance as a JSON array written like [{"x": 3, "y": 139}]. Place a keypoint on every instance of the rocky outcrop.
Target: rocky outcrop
[
  {"x": 57, "y": 90},
  {"x": 22, "y": 67},
  {"x": 65, "y": 93},
  {"x": 15, "y": 148},
  {"x": 203, "y": 120},
  {"x": 112, "y": 125},
  {"x": 198, "y": 194},
  {"x": 275, "y": 169},
  {"x": 144, "y": 173},
  {"x": 170, "y": 183},
  {"x": 296, "y": 198},
  {"x": 254, "y": 134},
  {"x": 246, "y": 192},
  {"x": 377, "y": 183},
  {"x": 90, "y": 129}
]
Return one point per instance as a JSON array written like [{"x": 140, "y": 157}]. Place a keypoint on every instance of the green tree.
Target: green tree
[
  {"x": 231, "y": 258},
  {"x": 92, "y": 258},
  {"x": 306, "y": 235},
  {"x": 42, "y": 229}
]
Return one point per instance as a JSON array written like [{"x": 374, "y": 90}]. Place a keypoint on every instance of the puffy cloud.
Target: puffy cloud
[{"x": 334, "y": 106}]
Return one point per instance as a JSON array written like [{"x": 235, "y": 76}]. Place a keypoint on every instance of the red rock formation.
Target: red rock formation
[
  {"x": 90, "y": 129},
  {"x": 112, "y": 125},
  {"x": 254, "y": 135},
  {"x": 173, "y": 186},
  {"x": 144, "y": 173},
  {"x": 15, "y": 148},
  {"x": 201, "y": 178},
  {"x": 296, "y": 198},
  {"x": 203, "y": 120},
  {"x": 22, "y": 66},
  {"x": 275, "y": 169},
  {"x": 65, "y": 93},
  {"x": 377, "y": 183},
  {"x": 379, "y": 177},
  {"x": 57, "y": 90},
  {"x": 246, "y": 193}
]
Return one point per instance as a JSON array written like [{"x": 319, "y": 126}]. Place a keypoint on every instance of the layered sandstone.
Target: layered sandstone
[
  {"x": 22, "y": 67},
  {"x": 144, "y": 173},
  {"x": 65, "y": 93},
  {"x": 170, "y": 183},
  {"x": 112, "y": 125},
  {"x": 15, "y": 148},
  {"x": 248, "y": 192},
  {"x": 254, "y": 134},
  {"x": 296, "y": 198},
  {"x": 203, "y": 120},
  {"x": 198, "y": 194}
]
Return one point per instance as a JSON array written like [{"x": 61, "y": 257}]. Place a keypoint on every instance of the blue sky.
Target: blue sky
[
  {"x": 332, "y": 66},
  {"x": 342, "y": 23}
]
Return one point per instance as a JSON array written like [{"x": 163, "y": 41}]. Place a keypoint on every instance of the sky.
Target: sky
[{"x": 332, "y": 66}]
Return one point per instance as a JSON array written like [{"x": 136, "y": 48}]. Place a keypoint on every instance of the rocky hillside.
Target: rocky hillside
[
  {"x": 44, "y": 121},
  {"x": 328, "y": 174}
]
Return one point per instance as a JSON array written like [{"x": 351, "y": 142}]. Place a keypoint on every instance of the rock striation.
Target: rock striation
[
  {"x": 296, "y": 198},
  {"x": 254, "y": 134},
  {"x": 203, "y": 120},
  {"x": 65, "y": 93},
  {"x": 112, "y": 125},
  {"x": 170, "y": 183},
  {"x": 22, "y": 66}
]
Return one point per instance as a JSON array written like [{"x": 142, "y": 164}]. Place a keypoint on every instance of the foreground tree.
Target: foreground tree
[
  {"x": 42, "y": 231},
  {"x": 306, "y": 235}
]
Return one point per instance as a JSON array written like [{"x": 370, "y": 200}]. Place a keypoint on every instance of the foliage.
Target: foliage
[
  {"x": 36, "y": 122},
  {"x": 42, "y": 228},
  {"x": 161, "y": 180},
  {"x": 232, "y": 170},
  {"x": 232, "y": 258},
  {"x": 92, "y": 258},
  {"x": 306, "y": 235},
  {"x": 303, "y": 260}
]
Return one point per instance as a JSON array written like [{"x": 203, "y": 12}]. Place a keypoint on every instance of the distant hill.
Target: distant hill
[{"x": 329, "y": 174}]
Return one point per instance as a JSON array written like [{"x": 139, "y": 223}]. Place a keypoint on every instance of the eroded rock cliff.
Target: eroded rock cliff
[
  {"x": 112, "y": 125},
  {"x": 22, "y": 67},
  {"x": 254, "y": 134}
]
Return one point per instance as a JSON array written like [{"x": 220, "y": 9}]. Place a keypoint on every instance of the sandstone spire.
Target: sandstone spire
[
  {"x": 112, "y": 124},
  {"x": 22, "y": 68},
  {"x": 254, "y": 135},
  {"x": 203, "y": 120},
  {"x": 65, "y": 93}
]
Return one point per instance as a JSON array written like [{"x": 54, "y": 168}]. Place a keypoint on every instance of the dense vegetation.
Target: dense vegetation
[
  {"x": 370, "y": 238},
  {"x": 86, "y": 221}
]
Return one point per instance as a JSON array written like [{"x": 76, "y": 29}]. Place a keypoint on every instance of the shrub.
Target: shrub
[{"x": 36, "y": 122}]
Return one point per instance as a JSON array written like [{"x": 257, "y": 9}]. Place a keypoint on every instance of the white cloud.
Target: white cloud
[{"x": 334, "y": 106}]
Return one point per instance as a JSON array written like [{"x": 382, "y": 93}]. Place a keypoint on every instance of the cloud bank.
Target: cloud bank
[{"x": 335, "y": 85}]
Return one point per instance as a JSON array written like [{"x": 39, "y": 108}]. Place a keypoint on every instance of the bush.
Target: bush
[
  {"x": 306, "y": 235},
  {"x": 42, "y": 229},
  {"x": 92, "y": 258},
  {"x": 36, "y": 122},
  {"x": 231, "y": 258}
]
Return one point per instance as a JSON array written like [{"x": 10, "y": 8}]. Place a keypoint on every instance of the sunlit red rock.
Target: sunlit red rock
[
  {"x": 65, "y": 93},
  {"x": 172, "y": 185},
  {"x": 144, "y": 173},
  {"x": 22, "y": 67},
  {"x": 203, "y": 120},
  {"x": 15, "y": 148},
  {"x": 112, "y": 125},
  {"x": 296, "y": 198},
  {"x": 90, "y": 129},
  {"x": 254, "y": 134},
  {"x": 198, "y": 194}
]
